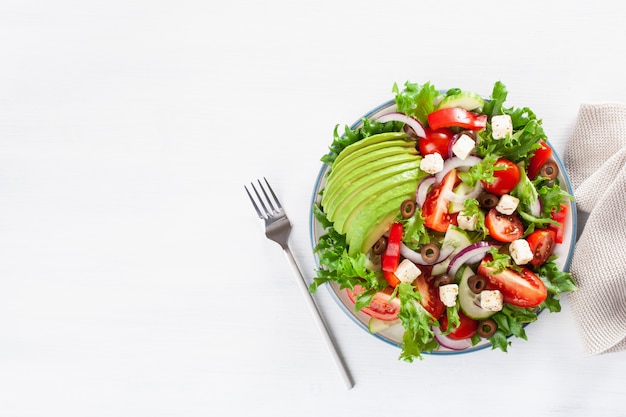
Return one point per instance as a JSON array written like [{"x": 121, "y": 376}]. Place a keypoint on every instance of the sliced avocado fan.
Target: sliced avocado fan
[{"x": 367, "y": 183}]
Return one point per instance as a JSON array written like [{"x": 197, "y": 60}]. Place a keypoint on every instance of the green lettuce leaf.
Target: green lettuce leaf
[
  {"x": 418, "y": 335},
  {"x": 416, "y": 100},
  {"x": 350, "y": 136}
]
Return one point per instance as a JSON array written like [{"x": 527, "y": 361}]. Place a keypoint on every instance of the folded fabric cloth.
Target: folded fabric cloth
[{"x": 595, "y": 159}]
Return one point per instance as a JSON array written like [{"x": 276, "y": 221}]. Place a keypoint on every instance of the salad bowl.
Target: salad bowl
[{"x": 394, "y": 334}]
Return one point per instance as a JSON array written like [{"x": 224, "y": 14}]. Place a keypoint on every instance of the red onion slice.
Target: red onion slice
[
  {"x": 422, "y": 190},
  {"x": 450, "y": 343},
  {"x": 469, "y": 255},
  {"x": 457, "y": 198},
  {"x": 412, "y": 122},
  {"x": 456, "y": 162},
  {"x": 536, "y": 207}
]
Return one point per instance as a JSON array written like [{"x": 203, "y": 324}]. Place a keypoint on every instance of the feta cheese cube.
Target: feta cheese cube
[
  {"x": 432, "y": 163},
  {"x": 501, "y": 126},
  {"x": 507, "y": 204},
  {"x": 448, "y": 294},
  {"x": 463, "y": 146},
  {"x": 491, "y": 300},
  {"x": 520, "y": 251},
  {"x": 467, "y": 222},
  {"x": 407, "y": 271}
]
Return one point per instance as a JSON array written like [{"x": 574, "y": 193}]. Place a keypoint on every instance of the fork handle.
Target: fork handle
[{"x": 330, "y": 343}]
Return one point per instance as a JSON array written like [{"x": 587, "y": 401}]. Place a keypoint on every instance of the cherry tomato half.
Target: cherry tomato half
[
  {"x": 436, "y": 141},
  {"x": 505, "y": 179},
  {"x": 380, "y": 307},
  {"x": 504, "y": 227},
  {"x": 541, "y": 244},
  {"x": 467, "y": 327}
]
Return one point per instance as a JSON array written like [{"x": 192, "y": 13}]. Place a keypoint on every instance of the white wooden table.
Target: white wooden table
[{"x": 135, "y": 279}]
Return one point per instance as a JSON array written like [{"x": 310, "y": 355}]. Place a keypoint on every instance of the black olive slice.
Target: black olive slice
[
  {"x": 430, "y": 253},
  {"x": 486, "y": 328},
  {"x": 549, "y": 170},
  {"x": 477, "y": 283},
  {"x": 442, "y": 280},
  {"x": 488, "y": 200},
  {"x": 380, "y": 246},
  {"x": 407, "y": 208}
]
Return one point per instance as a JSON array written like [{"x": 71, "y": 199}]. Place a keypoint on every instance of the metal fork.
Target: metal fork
[{"x": 278, "y": 228}]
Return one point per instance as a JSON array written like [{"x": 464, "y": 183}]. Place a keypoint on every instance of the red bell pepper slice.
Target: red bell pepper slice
[
  {"x": 391, "y": 257},
  {"x": 540, "y": 157},
  {"x": 456, "y": 116},
  {"x": 559, "y": 216}
]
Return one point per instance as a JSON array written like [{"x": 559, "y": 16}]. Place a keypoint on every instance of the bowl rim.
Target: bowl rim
[{"x": 352, "y": 315}]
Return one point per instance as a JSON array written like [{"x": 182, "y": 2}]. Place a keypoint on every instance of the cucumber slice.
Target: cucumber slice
[
  {"x": 462, "y": 190},
  {"x": 468, "y": 300},
  {"x": 465, "y": 99},
  {"x": 456, "y": 238},
  {"x": 377, "y": 325}
]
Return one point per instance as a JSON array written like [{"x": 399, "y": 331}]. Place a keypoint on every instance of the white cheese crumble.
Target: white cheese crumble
[
  {"x": 520, "y": 251},
  {"x": 507, "y": 204},
  {"x": 407, "y": 271},
  {"x": 463, "y": 146},
  {"x": 491, "y": 300},
  {"x": 448, "y": 294},
  {"x": 467, "y": 222},
  {"x": 432, "y": 163},
  {"x": 501, "y": 126}
]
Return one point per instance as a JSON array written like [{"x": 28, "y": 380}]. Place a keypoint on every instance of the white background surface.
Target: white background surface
[{"x": 135, "y": 279}]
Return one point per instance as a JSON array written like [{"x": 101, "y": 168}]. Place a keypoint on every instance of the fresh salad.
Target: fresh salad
[{"x": 441, "y": 217}]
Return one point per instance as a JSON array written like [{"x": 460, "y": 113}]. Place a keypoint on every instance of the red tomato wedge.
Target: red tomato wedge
[
  {"x": 467, "y": 327},
  {"x": 458, "y": 117},
  {"x": 540, "y": 157},
  {"x": 522, "y": 289},
  {"x": 504, "y": 227},
  {"x": 435, "y": 208},
  {"x": 430, "y": 295},
  {"x": 381, "y": 307}
]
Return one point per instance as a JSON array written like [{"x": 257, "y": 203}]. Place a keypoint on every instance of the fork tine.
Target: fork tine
[
  {"x": 273, "y": 195},
  {"x": 254, "y": 202},
  {"x": 267, "y": 197},
  {"x": 267, "y": 212}
]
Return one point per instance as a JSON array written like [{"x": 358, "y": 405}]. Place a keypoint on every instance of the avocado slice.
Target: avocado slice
[
  {"x": 364, "y": 154},
  {"x": 370, "y": 221},
  {"x": 349, "y": 190},
  {"x": 338, "y": 183},
  {"x": 360, "y": 204},
  {"x": 370, "y": 140}
]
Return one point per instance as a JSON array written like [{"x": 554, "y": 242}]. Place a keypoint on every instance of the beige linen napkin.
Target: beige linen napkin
[{"x": 595, "y": 159}]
